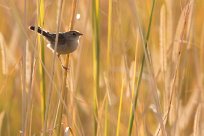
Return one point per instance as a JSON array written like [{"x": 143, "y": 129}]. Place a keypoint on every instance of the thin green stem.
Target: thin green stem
[
  {"x": 96, "y": 61},
  {"x": 120, "y": 108},
  {"x": 108, "y": 63},
  {"x": 41, "y": 14},
  {"x": 64, "y": 90},
  {"x": 136, "y": 92}
]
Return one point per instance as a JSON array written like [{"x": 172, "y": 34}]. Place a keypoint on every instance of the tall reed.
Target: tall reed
[
  {"x": 108, "y": 64},
  {"x": 137, "y": 87},
  {"x": 41, "y": 43},
  {"x": 96, "y": 59},
  {"x": 64, "y": 91},
  {"x": 121, "y": 99}
]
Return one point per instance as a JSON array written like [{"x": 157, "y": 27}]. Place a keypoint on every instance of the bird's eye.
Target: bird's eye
[{"x": 74, "y": 34}]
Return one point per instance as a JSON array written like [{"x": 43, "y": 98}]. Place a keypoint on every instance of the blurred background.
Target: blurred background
[{"x": 114, "y": 85}]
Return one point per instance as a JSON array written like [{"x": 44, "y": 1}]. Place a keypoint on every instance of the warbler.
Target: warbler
[{"x": 67, "y": 41}]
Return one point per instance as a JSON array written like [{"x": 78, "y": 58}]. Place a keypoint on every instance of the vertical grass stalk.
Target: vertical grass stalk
[
  {"x": 24, "y": 85},
  {"x": 120, "y": 107},
  {"x": 136, "y": 93},
  {"x": 58, "y": 23},
  {"x": 108, "y": 63},
  {"x": 109, "y": 31},
  {"x": 106, "y": 118},
  {"x": 96, "y": 62},
  {"x": 41, "y": 43},
  {"x": 65, "y": 73}
]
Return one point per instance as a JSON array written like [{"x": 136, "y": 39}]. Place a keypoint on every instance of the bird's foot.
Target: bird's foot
[{"x": 65, "y": 68}]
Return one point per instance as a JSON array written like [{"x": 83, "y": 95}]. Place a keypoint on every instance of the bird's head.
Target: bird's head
[{"x": 73, "y": 35}]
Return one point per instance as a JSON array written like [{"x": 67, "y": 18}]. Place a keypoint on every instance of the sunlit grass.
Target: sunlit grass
[
  {"x": 156, "y": 90},
  {"x": 120, "y": 103},
  {"x": 41, "y": 43},
  {"x": 137, "y": 87},
  {"x": 96, "y": 60}
]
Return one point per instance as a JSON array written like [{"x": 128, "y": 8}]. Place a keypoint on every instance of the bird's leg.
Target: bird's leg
[
  {"x": 65, "y": 68},
  {"x": 58, "y": 55}
]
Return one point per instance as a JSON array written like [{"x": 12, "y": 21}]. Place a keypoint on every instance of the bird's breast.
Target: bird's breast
[{"x": 67, "y": 47}]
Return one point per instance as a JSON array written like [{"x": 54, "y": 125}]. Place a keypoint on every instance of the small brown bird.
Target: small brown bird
[{"x": 67, "y": 41}]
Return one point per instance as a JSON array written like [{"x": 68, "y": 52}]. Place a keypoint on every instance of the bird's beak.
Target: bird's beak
[{"x": 80, "y": 34}]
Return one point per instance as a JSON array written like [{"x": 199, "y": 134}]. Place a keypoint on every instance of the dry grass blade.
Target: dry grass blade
[
  {"x": 202, "y": 49},
  {"x": 28, "y": 67},
  {"x": 65, "y": 74},
  {"x": 29, "y": 78},
  {"x": 108, "y": 101},
  {"x": 187, "y": 112},
  {"x": 182, "y": 32},
  {"x": 3, "y": 55},
  {"x": 197, "y": 121},
  {"x": 109, "y": 31},
  {"x": 121, "y": 99},
  {"x": 60, "y": 109},
  {"x": 147, "y": 57},
  {"x": 157, "y": 91},
  {"x": 2, "y": 114},
  {"x": 163, "y": 54},
  {"x": 96, "y": 59},
  {"x": 183, "y": 23},
  {"x": 163, "y": 43},
  {"x": 41, "y": 43}
]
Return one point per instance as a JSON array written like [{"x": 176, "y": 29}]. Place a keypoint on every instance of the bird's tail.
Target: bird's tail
[{"x": 39, "y": 30}]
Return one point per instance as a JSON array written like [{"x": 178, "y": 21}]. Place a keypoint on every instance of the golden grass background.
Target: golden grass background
[{"x": 104, "y": 72}]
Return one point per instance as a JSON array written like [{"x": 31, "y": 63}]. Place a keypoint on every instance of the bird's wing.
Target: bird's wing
[{"x": 52, "y": 37}]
